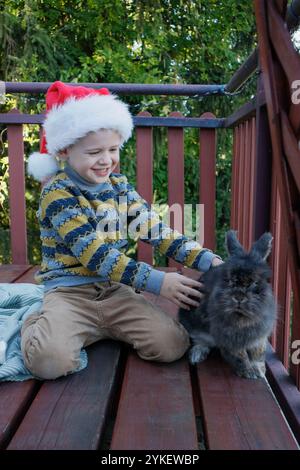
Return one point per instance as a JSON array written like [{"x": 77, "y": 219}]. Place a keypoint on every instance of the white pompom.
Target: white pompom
[{"x": 42, "y": 165}]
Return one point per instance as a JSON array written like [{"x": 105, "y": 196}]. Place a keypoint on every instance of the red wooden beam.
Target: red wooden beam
[
  {"x": 207, "y": 189},
  {"x": 176, "y": 178},
  {"x": 272, "y": 78},
  {"x": 144, "y": 152},
  {"x": 17, "y": 193}
]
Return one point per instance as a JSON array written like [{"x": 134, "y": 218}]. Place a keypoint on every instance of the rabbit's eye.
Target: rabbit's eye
[{"x": 255, "y": 286}]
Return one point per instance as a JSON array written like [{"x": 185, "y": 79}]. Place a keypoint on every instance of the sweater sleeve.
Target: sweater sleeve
[
  {"x": 88, "y": 245},
  {"x": 169, "y": 242}
]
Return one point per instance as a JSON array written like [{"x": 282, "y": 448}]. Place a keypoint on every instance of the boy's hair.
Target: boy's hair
[
  {"x": 91, "y": 132},
  {"x": 72, "y": 113}
]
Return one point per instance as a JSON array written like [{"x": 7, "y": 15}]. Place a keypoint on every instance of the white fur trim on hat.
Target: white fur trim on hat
[
  {"x": 42, "y": 165},
  {"x": 66, "y": 123}
]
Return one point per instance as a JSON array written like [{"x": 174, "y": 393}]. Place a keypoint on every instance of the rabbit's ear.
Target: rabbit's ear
[
  {"x": 263, "y": 245},
  {"x": 232, "y": 244}
]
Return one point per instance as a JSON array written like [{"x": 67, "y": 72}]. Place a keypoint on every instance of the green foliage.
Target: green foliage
[{"x": 129, "y": 41}]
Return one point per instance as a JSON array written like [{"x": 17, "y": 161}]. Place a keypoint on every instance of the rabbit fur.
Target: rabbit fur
[{"x": 238, "y": 309}]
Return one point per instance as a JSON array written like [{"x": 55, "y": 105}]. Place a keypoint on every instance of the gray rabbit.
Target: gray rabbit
[{"x": 238, "y": 310}]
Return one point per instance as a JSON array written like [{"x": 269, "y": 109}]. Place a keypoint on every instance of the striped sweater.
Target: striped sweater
[{"x": 75, "y": 251}]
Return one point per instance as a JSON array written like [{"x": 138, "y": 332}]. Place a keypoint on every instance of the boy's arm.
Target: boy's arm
[
  {"x": 169, "y": 242},
  {"x": 89, "y": 247}
]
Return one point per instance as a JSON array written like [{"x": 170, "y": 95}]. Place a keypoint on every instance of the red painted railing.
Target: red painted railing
[
  {"x": 244, "y": 197},
  {"x": 144, "y": 165},
  {"x": 280, "y": 65}
]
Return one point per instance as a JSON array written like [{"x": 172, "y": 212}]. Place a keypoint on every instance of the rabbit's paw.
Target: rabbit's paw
[
  {"x": 252, "y": 372},
  {"x": 261, "y": 368},
  {"x": 198, "y": 353}
]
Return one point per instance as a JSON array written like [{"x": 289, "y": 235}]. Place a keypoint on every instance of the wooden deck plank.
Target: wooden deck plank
[
  {"x": 240, "y": 414},
  {"x": 63, "y": 408},
  {"x": 156, "y": 404},
  {"x": 156, "y": 407},
  {"x": 70, "y": 413},
  {"x": 286, "y": 390},
  {"x": 10, "y": 273},
  {"x": 16, "y": 397}
]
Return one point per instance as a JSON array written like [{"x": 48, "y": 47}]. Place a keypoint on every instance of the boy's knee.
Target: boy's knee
[
  {"x": 169, "y": 345},
  {"x": 48, "y": 361}
]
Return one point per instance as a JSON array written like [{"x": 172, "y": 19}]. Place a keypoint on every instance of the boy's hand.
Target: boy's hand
[
  {"x": 216, "y": 261},
  {"x": 177, "y": 288}
]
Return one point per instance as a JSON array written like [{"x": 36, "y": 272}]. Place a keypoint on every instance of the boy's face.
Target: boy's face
[{"x": 94, "y": 156}]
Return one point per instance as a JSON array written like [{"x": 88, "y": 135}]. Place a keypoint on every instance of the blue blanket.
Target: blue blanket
[{"x": 17, "y": 302}]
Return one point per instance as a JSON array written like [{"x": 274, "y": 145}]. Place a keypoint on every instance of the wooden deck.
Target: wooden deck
[{"x": 121, "y": 402}]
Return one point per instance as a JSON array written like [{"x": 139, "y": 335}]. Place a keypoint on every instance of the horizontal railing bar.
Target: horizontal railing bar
[
  {"x": 245, "y": 112},
  {"x": 122, "y": 88},
  {"x": 10, "y": 118},
  {"x": 236, "y": 81},
  {"x": 179, "y": 122},
  {"x": 284, "y": 389},
  {"x": 243, "y": 73}
]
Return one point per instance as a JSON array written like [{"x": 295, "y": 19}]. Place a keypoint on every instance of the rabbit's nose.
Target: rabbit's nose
[{"x": 239, "y": 299}]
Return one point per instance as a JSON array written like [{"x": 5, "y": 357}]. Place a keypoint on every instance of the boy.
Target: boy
[{"x": 91, "y": 287}]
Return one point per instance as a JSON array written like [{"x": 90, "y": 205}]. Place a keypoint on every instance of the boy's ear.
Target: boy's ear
[{"x": 63, "y": 154}]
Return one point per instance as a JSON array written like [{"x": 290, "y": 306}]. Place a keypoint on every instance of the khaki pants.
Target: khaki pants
[{"x": 77, "y": 316}]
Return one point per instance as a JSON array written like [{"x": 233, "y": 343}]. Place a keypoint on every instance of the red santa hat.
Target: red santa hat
[{"x": 71, "y": 113}]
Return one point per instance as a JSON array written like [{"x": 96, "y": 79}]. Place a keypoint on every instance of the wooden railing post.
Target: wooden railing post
[
  {"x": 207, "y": 186},
  {"x": 243, "y": 180},
  {"x": 176, "y": 177},
  {"x": 17, "y": 206},
  {"x": 263, "y": 169},
  {"x": 144, "y": 169}
]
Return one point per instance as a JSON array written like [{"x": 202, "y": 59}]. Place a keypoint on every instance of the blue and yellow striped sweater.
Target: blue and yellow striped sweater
[{"x": 75, "y": 252}]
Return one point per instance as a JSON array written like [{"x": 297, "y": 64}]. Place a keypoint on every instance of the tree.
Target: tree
[{"x": 153, "y": 41}]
